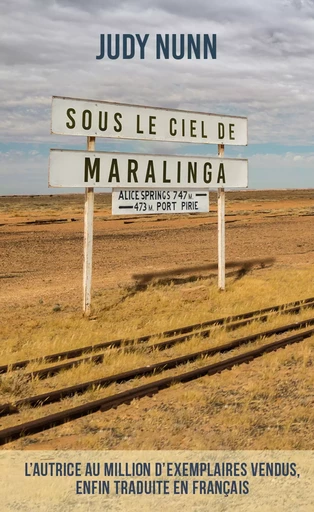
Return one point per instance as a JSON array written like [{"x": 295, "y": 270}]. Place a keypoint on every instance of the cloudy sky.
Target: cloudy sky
[{"x": 264, "y": 70}]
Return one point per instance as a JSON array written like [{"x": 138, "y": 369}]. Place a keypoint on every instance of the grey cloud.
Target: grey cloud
[
  {"x": 263, "y": 70},
  {"x": 216, "y": 10},
  {"x": 100, "y": 5}
]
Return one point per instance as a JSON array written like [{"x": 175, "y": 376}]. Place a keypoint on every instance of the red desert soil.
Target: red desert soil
[
  {"x": 45, "y": 260},
  {"x": 41, "y": 260}
]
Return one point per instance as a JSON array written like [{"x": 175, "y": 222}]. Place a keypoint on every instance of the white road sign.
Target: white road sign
[
  {"x": 120, "y": 170},
  {"x": 135, "y": 201},
  {"x": 71, "y": 116}
]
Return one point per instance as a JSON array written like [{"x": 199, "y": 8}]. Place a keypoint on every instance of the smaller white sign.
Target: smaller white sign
[{"x": 145, "y": 201}]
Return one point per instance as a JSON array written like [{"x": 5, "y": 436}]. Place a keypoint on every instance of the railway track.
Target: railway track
[
  {"x": 58, "y": 395},
  {"x": 173, "y": 337},
  {"x": 51, "y": 371},
  {"x": 103, "y": 404}
]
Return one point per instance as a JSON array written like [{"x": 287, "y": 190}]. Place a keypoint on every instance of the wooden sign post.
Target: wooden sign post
[
  {"x": 88, "y": 240},
  {"x": 118, "y": 171},
  {"x": 221, "y": 231}
]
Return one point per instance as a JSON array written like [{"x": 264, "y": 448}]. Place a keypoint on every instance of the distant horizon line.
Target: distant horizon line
[{"x": 210, "y": 191}]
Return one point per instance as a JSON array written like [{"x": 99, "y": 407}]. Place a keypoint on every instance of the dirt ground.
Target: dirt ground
[
  {"x": 41, "y": 261},
  {"x": 45, "y": 260}
]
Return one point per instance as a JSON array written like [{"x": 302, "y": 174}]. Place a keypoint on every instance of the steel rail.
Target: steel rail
[
  {"x": 73, "y": 353},
  {"x": 50, "y": 371},
  {"x": 104, "y": 404},
  {"x": 56, "y": 396}
]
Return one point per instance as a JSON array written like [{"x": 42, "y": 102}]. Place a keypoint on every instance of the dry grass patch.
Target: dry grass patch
[
  {"x": 267, "y": 403},
  {"x": 37, "y": 329},
  {"x": 240, "y": 397},
  {"x": 245, "y": 408}
]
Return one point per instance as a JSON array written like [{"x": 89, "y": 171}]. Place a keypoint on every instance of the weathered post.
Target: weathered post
[
  {"x": 88, "y": 240},
  {"x": 130, "y": 175},
  {"x": 221, "y": 231}
]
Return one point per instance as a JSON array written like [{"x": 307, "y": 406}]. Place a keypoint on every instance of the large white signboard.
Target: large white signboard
[
  {"x": 135, "y": 201},
  {"x": 120, "y": 170},
  {"x": 105, "y": 119}
]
